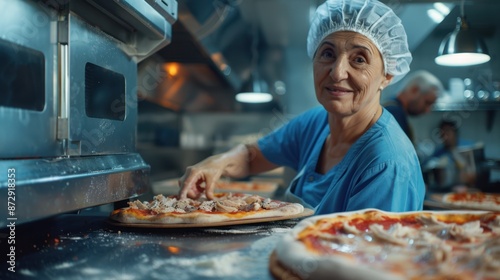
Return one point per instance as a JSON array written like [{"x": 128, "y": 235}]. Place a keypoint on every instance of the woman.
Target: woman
[{"x": 350, "y": 153}]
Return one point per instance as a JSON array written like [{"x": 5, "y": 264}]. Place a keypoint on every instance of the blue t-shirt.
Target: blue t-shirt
[{"x": 381, "y": 169}]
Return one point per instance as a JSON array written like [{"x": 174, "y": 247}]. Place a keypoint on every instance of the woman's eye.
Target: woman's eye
[
  {"x": 327, "y": 54},
  {"x": 359, "y": 59}
]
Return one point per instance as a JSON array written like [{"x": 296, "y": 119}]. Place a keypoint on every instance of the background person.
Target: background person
[
  {"x": 418, "y": 93},
  {"x": 456, "y": 167},
  {"x": 349, "y": 153}
]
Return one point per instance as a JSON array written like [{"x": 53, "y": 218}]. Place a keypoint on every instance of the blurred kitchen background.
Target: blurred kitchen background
[{"x": 187, "y": 106}]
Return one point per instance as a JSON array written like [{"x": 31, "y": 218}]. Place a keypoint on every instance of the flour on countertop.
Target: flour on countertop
[{"x": 230, "y": 264}]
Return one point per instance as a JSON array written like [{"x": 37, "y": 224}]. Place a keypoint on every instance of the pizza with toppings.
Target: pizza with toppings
[
  {"x": 372, "y": 244},
  {"x": 477, "y": 200},
  {"x": 225, "y": 207}
]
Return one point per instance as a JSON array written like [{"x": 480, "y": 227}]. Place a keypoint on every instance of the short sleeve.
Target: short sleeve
[{"x": 286, "y": 145}]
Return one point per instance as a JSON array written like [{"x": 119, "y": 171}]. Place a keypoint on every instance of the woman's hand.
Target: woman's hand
[{"x": 201, "y": 178}]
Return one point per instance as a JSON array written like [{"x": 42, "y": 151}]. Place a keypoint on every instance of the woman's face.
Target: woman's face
[{"x": 348, "y": 73}]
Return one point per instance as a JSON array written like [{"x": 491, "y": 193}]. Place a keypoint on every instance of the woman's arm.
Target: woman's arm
[{"x": 239, "y": 162}]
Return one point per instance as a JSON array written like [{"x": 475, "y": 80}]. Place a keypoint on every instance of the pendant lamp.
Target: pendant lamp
[
  {"x": 258, "y": 92},
  {"x": 462, "y": 47}
]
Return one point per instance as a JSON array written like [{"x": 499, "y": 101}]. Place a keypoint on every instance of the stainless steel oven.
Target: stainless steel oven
[
  {"x": 68, "y": 101},
  {"x": 28, "y": 95}
]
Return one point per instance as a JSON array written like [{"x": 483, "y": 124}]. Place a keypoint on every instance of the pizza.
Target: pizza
[
  {"x": 477, "y": 200},
  {"x": 373, "y": 244},
  {"x": 225, "y": 207}
]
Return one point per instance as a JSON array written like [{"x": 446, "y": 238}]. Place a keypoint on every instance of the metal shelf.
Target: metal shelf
[
  {"x": 490, "y": 107},
  {"x": 473, "y": 105}
]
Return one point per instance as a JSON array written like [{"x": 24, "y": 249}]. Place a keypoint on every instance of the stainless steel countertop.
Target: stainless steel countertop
[{"x": 75, "y": 246}]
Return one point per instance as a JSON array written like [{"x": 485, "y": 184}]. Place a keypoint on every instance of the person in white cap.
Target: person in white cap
[{"x": 349, "y": 153}]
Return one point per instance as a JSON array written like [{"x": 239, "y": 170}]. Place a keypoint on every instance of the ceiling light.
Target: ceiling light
[
  {"x": 438, "y": 12},
  {"x": 258, "y": 92},
  {"x": 435, "y": 15},
  {"x": 462, "y": 47},
  {"x": 253, "y": 97},
  {"x": 442, "y": 8}
]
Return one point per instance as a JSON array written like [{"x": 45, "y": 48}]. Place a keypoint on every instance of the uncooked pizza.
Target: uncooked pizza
[
  {"x": 373, "y": 244},
  {"x": 225, "y": 207},
  {"x": 477, "y": 200}
]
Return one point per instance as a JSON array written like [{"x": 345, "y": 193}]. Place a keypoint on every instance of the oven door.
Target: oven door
[
  {"x": 102, "y": 92},
  {"x": 28, "y": 110}
]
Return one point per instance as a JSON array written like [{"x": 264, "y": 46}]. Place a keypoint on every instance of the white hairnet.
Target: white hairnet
[{"x": 370, "y": 18}]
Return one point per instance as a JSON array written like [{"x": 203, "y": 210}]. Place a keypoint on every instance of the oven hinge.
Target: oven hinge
[{"x": 69, "y": 147}]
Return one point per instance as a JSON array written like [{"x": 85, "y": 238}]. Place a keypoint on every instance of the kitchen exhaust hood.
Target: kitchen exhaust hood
[
  {"x": 207, "y": 62},
  {"x": 209, "y": 50},
  {"x": 188, "y": 49}
]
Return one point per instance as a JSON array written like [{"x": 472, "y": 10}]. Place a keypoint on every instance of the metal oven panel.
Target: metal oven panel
[
  {"x": 44, "y": 187},
  {"x": 103, "y": 92},
  {"x": 68, "y": 101},
  {"x": 27, "y": 96}
]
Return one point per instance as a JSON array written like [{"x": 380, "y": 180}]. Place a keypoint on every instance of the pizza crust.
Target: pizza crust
[
  {"x": 279, "y": 271},
  {"x": 306, "y": 265}
]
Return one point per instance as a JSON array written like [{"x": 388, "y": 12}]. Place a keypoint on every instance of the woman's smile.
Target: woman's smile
[{"x": 338, "y": 91}]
